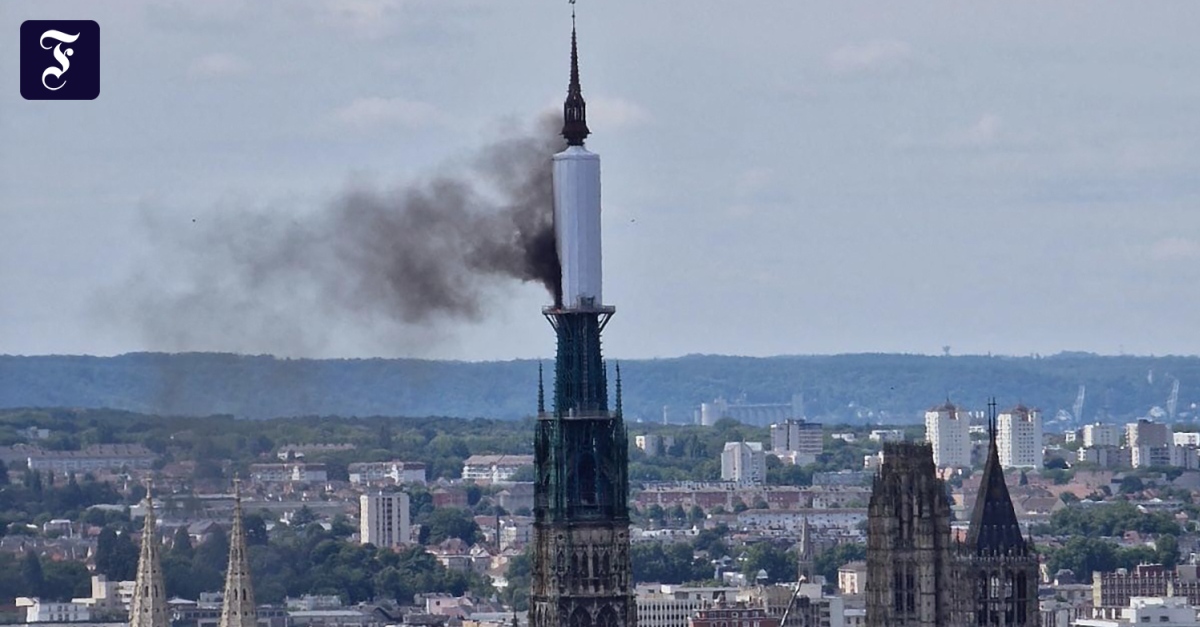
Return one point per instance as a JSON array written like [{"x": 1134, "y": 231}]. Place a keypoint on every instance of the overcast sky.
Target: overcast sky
[{"x": 779, "y": 177}]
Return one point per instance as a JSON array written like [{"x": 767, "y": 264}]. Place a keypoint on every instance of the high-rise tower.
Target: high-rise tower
[
  {"x": 238, "y": 608},
  {"x": 581, "y": 571},
  {"x": 149, "y": 605}
]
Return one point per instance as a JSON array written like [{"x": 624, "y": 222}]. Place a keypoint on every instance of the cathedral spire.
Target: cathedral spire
[
  {"x": 149, "y": 605},
  {"x": 994, "y": 527},
  {"x": 238, "y": 608},
  {"x": 575, "y": 128}
]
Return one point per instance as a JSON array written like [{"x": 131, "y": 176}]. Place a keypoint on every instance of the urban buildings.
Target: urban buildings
[
  {"x": 947, "y": 429},
  {"x": 91, "y": 458},
  {"x": 290, "y": 472},
  {"x": 916, "y": 576},
  {"x": 395, "y": 472},
  {"x": 661, "y": 605},
  {"x": 1020, "y": 437},
  {"x": 1100, "y": 434},
  {"x": 797, "y": 441},
  {"x": 1163, "y": 611},
  {"x": 384, "y": 519},
  {"x": 1150, "y": 443},
  {"x": 725, "y": 614},
  {"x": 760, "y": 414},
  {"x": 494, "y": 468},
  {"x": 654, "y": 445},
  {"x": 744, "y": 462}
]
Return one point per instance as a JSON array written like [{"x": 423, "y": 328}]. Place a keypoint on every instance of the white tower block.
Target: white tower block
[{"x": 577, "y": 226}]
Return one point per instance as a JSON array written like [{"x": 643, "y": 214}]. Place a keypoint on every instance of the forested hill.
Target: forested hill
[{"x": 850, "y": 388}]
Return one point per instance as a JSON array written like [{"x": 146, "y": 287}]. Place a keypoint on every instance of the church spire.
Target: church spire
[
  {"x": 149, "y": 605},
  {"x": 238, "y": 609},
  {"x": 575, "y": 128},
  {"x": 994, "y": 527}
]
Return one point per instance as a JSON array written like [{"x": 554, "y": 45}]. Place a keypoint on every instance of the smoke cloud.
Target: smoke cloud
[{"x": 413, "y": 256}]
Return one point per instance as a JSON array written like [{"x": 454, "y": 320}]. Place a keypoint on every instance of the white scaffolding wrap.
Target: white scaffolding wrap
[{"x": 577, "y": 226}]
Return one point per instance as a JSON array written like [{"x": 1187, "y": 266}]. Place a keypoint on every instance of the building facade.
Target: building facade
[
  {"x": 1100, "y": 434},
  {"x": 947, "y": 429},
  {"x": 1020, "y": 437},
  {"x": 797, "y": 436},
  {"x": 395, "y": 472},
  {"x": 494, "y": 468},
  {"x": 384, "y": 519},
  {"x": 744, "y": 462}
]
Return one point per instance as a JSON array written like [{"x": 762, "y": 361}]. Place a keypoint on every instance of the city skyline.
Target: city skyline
[{"x": 807, "y": 180}]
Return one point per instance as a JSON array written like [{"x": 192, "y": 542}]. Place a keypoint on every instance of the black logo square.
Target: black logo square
[{"x": 60, "y": 60}]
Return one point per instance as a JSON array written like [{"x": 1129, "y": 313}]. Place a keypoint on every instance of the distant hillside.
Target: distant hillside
[{"x": 850, "y": 388}]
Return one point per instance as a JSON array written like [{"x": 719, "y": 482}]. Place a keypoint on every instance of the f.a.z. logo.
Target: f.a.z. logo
[{"x": 60, "y": 60}]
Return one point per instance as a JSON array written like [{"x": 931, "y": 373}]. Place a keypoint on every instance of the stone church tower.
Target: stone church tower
[
  {"x": 238, "y": 609},
  {"x": 999, "y": 568},
  {"x": 149, "y": 605},
  {"x": 910, "y": 565}
]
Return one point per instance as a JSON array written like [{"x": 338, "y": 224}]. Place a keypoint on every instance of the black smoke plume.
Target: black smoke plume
[{"x": 434, "y": 250}]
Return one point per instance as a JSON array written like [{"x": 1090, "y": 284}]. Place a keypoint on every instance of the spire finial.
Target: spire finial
[
  {"x": 575, "y": 128},
  {"x": 992, "y": 421}
]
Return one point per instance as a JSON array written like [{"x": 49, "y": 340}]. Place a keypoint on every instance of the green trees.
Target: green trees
[
  {"x": 310, "y": 560},
  {"x": 520, "y": 569},
  {"x": 31, "y": 574},
  {"x": 1083, "y": 555},
  {"x": 1166, "y": 550},
  {"x": 1108, "y": 519},
  {"x": 448, "y": 522},
  {"x": 116, "y": 555},
  {"x": 66, "y": 580},
  {"x": 829, "y": 561},
  {"x": 660, "y": 562},
  {"x": 776, "y": 561}
]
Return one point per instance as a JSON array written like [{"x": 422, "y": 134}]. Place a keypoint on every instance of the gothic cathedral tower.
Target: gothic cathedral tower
[
  {"x": 581, "y": 570},
  {"x": 910, "y": 565}
]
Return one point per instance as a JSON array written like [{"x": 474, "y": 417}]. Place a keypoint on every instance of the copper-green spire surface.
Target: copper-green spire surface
[
  {"x": 149, "y": 605},
  {"x": 238, "y": 609}
]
